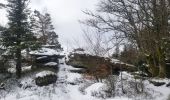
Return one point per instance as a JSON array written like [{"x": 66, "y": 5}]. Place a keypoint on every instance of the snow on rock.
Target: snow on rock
[
  {"x": 161, "y": 80},
  {"x": 45, "y": 73},
  {"x": 41, "y": 57},
  {"x": 96, "y": 87},
  {"x": 120, "y": 98},
  {"x": 62, "y": 61},
  {"x": 51, "y": 64},
  {"x": 80, "y": 52},
  {"x": 11, "y": 70},
  {"x": 45, "y": 51},
  {"x": 160, "y": 93},
  {"x": 67, "y": 75},
  {"x": 73, "y": 77},
  {"x": 115, "y": 61},
  {"x": 25, "y": 68},
  {"x": 72, "y": 68},
  {"x": 24, "y": 53}
]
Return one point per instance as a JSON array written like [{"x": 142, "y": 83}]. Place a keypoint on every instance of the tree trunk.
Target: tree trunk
[
  {"x": 18, "y": 63},
  {"x": 152, "y": 68},
  {"x": 162, "y": 64},
  {"x": 27, "y": 53},
  {"x": 19, "y": 36},
  {"x": 162, "y": 70}
]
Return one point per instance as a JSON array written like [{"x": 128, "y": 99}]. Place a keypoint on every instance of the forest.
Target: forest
[{"x": 124, "y": 52}]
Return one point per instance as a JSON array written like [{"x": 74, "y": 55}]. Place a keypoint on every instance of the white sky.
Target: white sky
[{"x": 65, "y": 15}]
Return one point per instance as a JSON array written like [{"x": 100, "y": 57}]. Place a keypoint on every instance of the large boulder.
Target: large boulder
[
  {"x": 45, "y": 78},
  {"x": 155, "y": 83},
  {"x": 96, "y": 63}
]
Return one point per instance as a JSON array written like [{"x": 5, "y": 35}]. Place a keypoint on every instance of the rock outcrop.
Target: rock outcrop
[{"x": 100, "y": 64}]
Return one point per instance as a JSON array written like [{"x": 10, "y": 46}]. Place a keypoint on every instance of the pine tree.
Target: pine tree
[
  {"x": 18, "y": 35},
  {"x": 53, "y": 40},
  {"x": 45, "y": 30}
]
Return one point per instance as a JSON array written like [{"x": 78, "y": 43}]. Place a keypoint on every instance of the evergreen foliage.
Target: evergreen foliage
[
  {"x": 44, "y": 29},
  {"x": 18, "y": 35}
]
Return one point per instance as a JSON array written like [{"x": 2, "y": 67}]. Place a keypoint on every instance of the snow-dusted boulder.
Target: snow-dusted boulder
[
  {"x": 97, "y": 90},
  {"x": 51, "y": 64},
  {"x": 45, "y": 78},
  {"x": 45, "y": 51}
]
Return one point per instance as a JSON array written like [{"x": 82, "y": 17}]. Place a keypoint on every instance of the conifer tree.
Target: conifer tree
[
  {"x": 45, "y": 30},
  {"x": 18, "y": 35}
]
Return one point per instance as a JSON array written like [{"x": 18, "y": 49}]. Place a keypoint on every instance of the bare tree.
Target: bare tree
[
  {"x": 44, "y": 29},
  {"x": 143, "y": 23},
  {"x": 96, "y": 43}
]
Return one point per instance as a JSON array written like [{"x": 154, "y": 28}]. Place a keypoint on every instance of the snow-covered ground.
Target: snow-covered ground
[
  {"x": 63, "y": 89},
  {"x": 69, "y": 84}
]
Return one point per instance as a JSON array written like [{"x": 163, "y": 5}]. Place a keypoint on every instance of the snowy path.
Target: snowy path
[
  {"x": 69, "y": 91},
  {"x": 73, "y": 92},
  {"x": 65, "y": 77}
]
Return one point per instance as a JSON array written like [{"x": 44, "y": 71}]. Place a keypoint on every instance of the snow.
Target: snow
[
  {"x": 72, "y": 77},
  {"x": 61, "y": 61},
  {"x": 63, "y": 90},
  {"x": 73, "y": 92},
  {"x": 51, "y": 64},
  {"x": 161, "y": 80},
  {"x": 25, "y": 68},
  {"x": 160, "y": 93},
  {"x": 69, "y": 77},
  {"x": 96, "y": 87},
  {"x": 80, "y": 52},
  {"x": 45, "y": 73},
  {"x": 157, "y": 92},
  {"x": 47, "y": 45},
  {"x": 115, "y": 61},
  {"x": 11, "y": 70},
  {"x": 45, "y": 51},
  {"x": 120, "y": 98}
]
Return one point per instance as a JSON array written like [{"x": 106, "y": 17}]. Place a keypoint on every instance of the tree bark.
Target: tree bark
[
  {"x": 162, "y": 64},
  {"x": 152, "y": 68},
  {"x": 18, "y": 63},
  {"x": 19, "y": 33}
]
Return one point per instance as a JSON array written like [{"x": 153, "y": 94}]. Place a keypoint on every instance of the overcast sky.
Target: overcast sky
[{"x": 65, "y": 15}]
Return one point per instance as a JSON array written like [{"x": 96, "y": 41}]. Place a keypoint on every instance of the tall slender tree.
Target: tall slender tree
[
  {"x": 18, "y": 35},
  {"x": 44, "y": 29}
]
